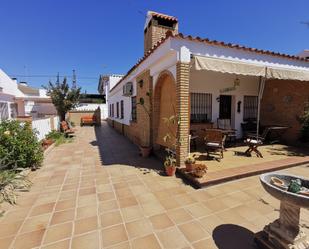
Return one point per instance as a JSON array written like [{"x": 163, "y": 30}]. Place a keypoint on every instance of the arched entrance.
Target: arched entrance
[{"x": 164, "y": 108}]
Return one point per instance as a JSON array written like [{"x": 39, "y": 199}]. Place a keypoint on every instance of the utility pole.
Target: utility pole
[
  {"x": 74, "y": 80},
  {"x": 58, "y": 80}
]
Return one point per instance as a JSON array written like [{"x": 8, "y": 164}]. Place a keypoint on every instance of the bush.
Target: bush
[
  {"x": 58, "y": 137},
  {"x": 304, "y": 132},
  {"x": 19, "y": 146}
]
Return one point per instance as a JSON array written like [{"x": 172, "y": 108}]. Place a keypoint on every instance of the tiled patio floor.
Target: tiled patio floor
[{"x": 76, "y": 202}]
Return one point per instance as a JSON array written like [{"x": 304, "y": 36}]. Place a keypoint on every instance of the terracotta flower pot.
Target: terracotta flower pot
[
  {"x": 170, "y": 170},
  {"x": 145, "y": 151},
  {"x": 189, "y": 167}
]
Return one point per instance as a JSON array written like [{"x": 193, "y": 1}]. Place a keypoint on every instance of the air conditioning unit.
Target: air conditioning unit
[{"x": 128, "y": 89}]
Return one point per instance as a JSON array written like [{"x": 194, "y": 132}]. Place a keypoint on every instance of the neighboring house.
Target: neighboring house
[
  {"x": 18, "y": 99},
  {"x": 36, "y": 103},
  {"x": 202, "y": 80},
  {"x": 304, "y": 54},
  {"x": 8, "y": 91}
]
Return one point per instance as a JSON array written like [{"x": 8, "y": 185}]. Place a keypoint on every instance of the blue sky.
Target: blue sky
[{"x": 43, "y": 37}]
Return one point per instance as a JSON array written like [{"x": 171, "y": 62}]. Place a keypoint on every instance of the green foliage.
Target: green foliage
[
  {"x": 19, "y": 146},
  {"x": 305, "y": 126},
  {"x": 58, "y": 137},
  {"x": 63, "y": 97}
]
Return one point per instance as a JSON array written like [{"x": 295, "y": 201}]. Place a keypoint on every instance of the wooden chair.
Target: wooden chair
[
  {"x": 254, "y": 141},
  {"x": 214, "y": 141},
  {"x": 225, "y": 124},
  {"x": 65, "y": 128}
]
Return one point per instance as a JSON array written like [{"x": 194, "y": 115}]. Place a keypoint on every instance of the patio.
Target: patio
[
  {"x": 236, "y": 164},
  {"x": 76, "y": 202}
]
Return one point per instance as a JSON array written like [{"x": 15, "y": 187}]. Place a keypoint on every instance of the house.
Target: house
[
  {"x": 201, "y": 80},
  {"x": 19, "y": 99}
]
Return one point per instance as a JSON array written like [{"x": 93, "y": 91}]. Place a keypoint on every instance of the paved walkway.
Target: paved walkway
[{"x": 75, "y": 202}]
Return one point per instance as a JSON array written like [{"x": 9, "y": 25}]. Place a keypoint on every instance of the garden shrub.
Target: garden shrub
[
  {"x": 19, "y": 146},
  {"x": 304, "y": 132}
]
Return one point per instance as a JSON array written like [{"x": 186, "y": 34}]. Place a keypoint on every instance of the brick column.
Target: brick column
[{"x": 182, "y": 108}]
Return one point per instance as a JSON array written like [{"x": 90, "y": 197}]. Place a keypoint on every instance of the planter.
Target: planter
[
  {"x": 189, "y": 167},
  {"x": 170, "y": 170},
  {"x": 145, "y": 151},
  {"x": 46, "y": 143},
  {"x": 198, "y": 170}
]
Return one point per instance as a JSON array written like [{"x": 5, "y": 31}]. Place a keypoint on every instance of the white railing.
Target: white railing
[{"x": 45, "y": 126}]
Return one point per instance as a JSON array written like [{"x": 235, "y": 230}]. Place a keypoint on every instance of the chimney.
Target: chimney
[{"x": 156, "y": 26}]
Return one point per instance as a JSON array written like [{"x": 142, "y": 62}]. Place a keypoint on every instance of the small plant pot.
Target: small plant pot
[
  {"x": 189, "y": 167},
  {"x": 170, "y": 170},
  {"x": 145, "y": 151}
]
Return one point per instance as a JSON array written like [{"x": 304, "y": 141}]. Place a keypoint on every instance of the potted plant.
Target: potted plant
[
  {"x": 170, "y": 166},
  {"x": 199, "y": 170},
  {"x": 190, "y": 160}
]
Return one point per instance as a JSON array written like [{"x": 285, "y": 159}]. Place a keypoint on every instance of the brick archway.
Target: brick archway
[{"x": 164, "y": 105}]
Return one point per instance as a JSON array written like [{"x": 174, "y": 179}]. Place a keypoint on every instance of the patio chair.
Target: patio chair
[
  {"x": 225, "y": 124},
  {"x": 214, "y": 141},
  {"x": 66, "y": 129},
  {"x": 254, "y": 141}
]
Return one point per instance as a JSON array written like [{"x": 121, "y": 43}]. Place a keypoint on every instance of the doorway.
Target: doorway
[{"x": 225, "y": 107}]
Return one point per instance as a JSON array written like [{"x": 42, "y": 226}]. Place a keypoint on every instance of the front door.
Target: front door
[{"x": 225, "y": 110}]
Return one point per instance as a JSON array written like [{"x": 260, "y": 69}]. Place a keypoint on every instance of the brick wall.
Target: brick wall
[
  {"x": 283, "y": 101},
  {"x": 154, "y": 34},
  {"x": 182, "y": 107},
  {"x": 139, "y": 132}
]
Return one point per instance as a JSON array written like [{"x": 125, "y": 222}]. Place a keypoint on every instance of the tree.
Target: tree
[{"x": 63, "y": 97}]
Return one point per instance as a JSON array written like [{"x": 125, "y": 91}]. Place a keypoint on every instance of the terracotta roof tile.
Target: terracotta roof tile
[
  {"x": 163, "y": 16},
  {"x": 211, "y": 42}
]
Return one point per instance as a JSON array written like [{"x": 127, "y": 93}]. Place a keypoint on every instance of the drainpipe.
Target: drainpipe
[{"x": 261, "y": 91}]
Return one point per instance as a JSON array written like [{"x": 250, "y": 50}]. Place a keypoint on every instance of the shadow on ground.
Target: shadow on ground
[
  {"x": 230, "y": 236},
  {"x": 116, "y": 149}
]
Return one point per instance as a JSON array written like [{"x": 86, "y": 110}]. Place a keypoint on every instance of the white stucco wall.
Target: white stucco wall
[{"x": 211, "y": 82}]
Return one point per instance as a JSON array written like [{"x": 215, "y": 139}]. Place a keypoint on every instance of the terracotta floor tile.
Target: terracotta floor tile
[
  {"x": 123, "y": 193},
  {"x": 42, "y": 209},
  {"x": 29, "y": 240},
  {"x": 110, "y": 218},
  {"x": 149, "y": 240},
  {"x": 9, "y": 229},
  {"x": 6, "y": 242},
  {"x": 108, "y": 206},
  {"x": 63, "y": 216},
  {"x": 65, "y": 204},
  {"x": 86, "y": 211},
  {"x": 172, "y": 238},
  {"x": 86, "y": 241},
  {"x": 86, "y": 200},
  {"x": 179, "y": 215},
  {"x": 65, "y": 195},
  {"x": 64, "y": 244},
  {"x": 138, "y": 228},
  {"x": 132, "y": 213},
  {"x": 15, "y": 215},
  {"x": 127, "y": 202},
  {"x": 197, "y": 210},
  {"x": 106, "y": 196},
  {"x": 206, "y": 243},
  {"x": 193, "y": 231},
  {"x": 125, "y": 245},
  {"x": 170, "y": 203},
  {"x": 114, "y": 235},
  {"x": 36, "y": 223},
  {"x": 58, "y": 232},
  {"x": 152, "y": 208},
  {"x": 86, "y": 225},
  {"x": 161, "y": 221},
  {"x": 209, "y": 223},
  {"x": 87, "y": 191}
]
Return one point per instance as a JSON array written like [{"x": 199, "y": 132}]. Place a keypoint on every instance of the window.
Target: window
[
  {"x": 121, "y": 109},
  {"x": 250, "y": 107},
  {"x": 201, "y": 107},
  {"x": 133, "y": 111},
  {"x": 117, "y": 109},
  {"x": 112, "y": 110},
  {"x": 4, "y": 111}
]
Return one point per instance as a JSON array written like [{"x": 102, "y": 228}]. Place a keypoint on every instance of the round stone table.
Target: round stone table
[{"x": 285, "y": 232}]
